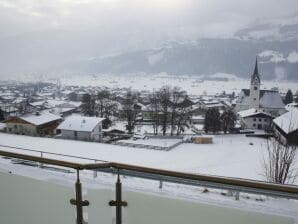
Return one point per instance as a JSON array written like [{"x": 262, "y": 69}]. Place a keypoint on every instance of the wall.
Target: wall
[{"x": 17, "y": 128}]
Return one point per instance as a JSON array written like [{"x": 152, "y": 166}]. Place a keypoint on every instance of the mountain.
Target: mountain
[
  {"x": 278, "y": 59},
  {"x": 281, "y": 29},
  {"x": 275, "y": 41}
]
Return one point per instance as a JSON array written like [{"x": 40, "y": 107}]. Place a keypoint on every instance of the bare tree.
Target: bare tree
[
  {"x": 155, "y": 107},
  {"x": 177, "y": 96},
  {"x": 88, "y": 105},
  {"x": 278, "y": 162},
  {"x": 164, "y": 100},
  {"x": 103, "y": 98}
]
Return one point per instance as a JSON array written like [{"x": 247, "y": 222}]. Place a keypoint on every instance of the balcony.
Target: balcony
[{"x": 36, "y": 189}]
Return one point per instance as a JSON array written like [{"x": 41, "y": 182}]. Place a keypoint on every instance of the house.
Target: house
[
  {"x": 268, "y": 101},
  {"x": 286, "y": 127},
  {"x": 81, "y": 128},
  {"x": 255, "y": 119},
  {"x": 37, "y": 124}
]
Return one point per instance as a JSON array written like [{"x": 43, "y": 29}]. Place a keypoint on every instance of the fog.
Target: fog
[{"x": 70, "y": 30}]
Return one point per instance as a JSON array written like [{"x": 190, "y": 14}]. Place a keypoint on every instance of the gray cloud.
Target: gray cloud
[{"x": 167, "y": 17}]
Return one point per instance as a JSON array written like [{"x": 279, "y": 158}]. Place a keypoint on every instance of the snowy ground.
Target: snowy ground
[
  {"x": 192, "y": 84},
  {"x": 230, "y": 155},
  {"x": 153, "y": 142}
]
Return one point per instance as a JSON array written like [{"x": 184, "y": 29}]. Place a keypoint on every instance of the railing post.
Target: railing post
[
  {"x": 78, "y": 202},
  {"x": 118, "y": 203},
  {"x": 95, "y": 171},
  {"x": 160, "y": 184},
  {"x": 41, "y": 164}
]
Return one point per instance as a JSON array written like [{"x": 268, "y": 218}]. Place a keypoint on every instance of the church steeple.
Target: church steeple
[
  {"x": 255, "y": 76},
  {"x": 255, "y": 85}
]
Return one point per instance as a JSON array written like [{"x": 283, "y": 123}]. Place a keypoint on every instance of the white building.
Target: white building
[
  {"x": 286, "y": 127},
  {"x": 37, "y": 124},
  {"x": 82, "y": 128},
  {"x": 268, "y": 101},
  {"x": 255, "y": 119}
]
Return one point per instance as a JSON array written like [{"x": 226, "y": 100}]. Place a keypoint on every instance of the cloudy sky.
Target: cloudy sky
[{"x": 162, "y": 18}]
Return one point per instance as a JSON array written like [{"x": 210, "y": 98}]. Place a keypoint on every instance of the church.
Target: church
[{"x": 267, "y": 101}]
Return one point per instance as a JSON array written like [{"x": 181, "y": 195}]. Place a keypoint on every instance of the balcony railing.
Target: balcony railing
[{"x": 25, "y": 200}]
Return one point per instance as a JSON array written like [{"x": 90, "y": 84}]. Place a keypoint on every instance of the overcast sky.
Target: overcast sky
[{"x": 187, "y": 19}]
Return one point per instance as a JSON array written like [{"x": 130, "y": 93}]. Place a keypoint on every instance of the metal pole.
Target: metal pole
[
  {"x": 78, "y": 202},
  {"x": 79, "y": 199},
  {"x": 95, "y": 171},
  {"x": 118, "y": 203}
]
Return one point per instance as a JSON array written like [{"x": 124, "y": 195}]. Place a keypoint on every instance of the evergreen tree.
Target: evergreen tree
[
  {"x": 129, "y": 111},
  {"x": 288, "y": 97},
  {"x": 212, "y": 120},
  {"x": 1, "y": 115},
  {"x": 228, "y": 120}
]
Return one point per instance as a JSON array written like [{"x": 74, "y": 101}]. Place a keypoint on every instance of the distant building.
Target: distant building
[
  {"x": 81, "y": 128},
  {"x": 268, "y": 101},
  {"x": 255, "y": 119},
  {"x": 38, "y": 124},
  {"x": 286, "y": 127}
]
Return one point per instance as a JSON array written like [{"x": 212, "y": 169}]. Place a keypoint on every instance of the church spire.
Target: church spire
[{"x": 256, "y": 72}]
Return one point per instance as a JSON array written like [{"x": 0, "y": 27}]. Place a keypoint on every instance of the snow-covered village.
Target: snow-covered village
[{"x": 194, "y": 121}]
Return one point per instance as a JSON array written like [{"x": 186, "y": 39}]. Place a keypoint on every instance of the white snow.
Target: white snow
[
  {"x": 80, "y": 123},
  {"x": 293, "y": 57},
  {"x": 230, "y": 155},
  {"x": 153, "y": 142},
  {"x": 251, "y": 112},
  {"x": 288, "y": 122},
  {"x": 149, "y": 82},
  {"x": 39, "y": 119}
]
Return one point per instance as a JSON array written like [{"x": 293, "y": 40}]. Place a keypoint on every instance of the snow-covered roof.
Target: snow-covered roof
[
  {"x": 268, "y": 98},
  {"x": 288, "y": 122},
  {"x": 271, "y": 99},
  {"x": 80, "y": 123},
  {"x": 291, "y": 106},
  {"x": 252, "y": 112},
  {"x": 41, "y": 118}
]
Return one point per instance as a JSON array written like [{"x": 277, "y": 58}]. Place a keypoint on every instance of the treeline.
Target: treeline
[
  {"x": 216, "y": 121},
  {"x": 167, "y": 108}
]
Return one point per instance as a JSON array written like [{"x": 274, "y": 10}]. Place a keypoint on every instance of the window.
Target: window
[
  {"x": 255, "y": 119},
  {"x": 253, "y": 125},
  {"x": 260, "y": 119},
  {"x": 265, "y": 120},
  {"x": 75, "y": 133},
  {"x": 255, "y": 99},
  {"x": 256, "y": 88}
]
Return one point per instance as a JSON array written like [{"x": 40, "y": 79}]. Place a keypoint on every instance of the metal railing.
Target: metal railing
[{"x": 236, "y": 184}]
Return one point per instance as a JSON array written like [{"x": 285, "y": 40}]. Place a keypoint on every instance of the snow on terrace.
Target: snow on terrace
[
  {"x": 230, "y": 155},
  {"x": 153, "y": 142}
]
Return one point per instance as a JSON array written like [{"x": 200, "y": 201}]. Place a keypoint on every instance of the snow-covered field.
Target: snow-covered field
[
  {"x": 192, "y": 84},
  {"x": 230, "y": 155}
]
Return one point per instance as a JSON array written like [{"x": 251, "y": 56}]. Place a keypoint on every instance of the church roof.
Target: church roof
[
  {"x": 268, "y": 98},
  {"x": 256, "y": 73}
]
